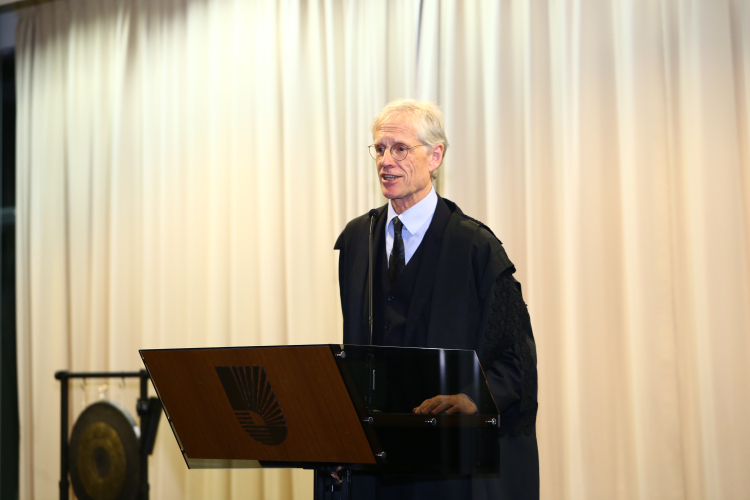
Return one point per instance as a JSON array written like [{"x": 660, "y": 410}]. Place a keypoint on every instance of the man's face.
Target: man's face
[{"x": 405, "y": 182}]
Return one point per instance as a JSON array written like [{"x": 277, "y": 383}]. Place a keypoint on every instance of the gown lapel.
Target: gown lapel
[{"x": 421, "y": 297}]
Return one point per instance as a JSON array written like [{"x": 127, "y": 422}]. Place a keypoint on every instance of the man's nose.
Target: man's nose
[{"x": 387, "y": 158}]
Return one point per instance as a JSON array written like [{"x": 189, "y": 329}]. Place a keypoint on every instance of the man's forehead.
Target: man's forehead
[{"x": 398, "y": 125}]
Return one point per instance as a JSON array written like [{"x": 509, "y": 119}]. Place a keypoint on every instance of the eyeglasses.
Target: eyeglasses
[{"x": 398, "y": 151}]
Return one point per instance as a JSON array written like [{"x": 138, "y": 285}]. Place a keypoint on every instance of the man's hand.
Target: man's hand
[{"x": 457, "y": 403}]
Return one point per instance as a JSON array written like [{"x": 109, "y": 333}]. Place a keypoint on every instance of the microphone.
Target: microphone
[{"x": 372, "y": 214}]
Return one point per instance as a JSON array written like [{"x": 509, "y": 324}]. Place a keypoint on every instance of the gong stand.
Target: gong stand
[{"x": 149, "y": 411}]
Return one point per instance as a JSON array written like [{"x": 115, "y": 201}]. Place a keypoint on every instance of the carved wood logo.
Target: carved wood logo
[{"x": 254, "y": 402}]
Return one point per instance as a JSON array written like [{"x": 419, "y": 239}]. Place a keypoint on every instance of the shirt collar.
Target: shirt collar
[{"x": 415, "y": 217}]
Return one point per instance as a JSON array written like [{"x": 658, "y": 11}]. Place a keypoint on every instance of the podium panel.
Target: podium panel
[
  {"x": 387, "y": 383},
  {"x": 235, "y": 407}
]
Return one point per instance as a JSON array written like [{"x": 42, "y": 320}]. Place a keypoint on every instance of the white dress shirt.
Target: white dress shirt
[{"x": 416, "y": 221}]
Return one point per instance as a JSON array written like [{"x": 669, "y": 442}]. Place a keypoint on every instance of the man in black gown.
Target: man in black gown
[{"x": 440, "y": 279}]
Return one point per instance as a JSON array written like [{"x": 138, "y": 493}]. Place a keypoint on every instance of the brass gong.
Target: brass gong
[{"x": 104, "y": 458}]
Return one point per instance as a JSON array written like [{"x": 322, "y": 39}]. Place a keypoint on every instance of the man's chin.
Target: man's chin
[{"x": 388, "y": 193}]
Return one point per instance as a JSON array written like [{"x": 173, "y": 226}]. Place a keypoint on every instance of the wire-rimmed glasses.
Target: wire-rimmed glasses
[{"x": 398, "y": 151}]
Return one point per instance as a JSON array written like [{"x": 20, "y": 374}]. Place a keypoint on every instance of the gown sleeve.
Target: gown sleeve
[{"x": 508, "y": 356}]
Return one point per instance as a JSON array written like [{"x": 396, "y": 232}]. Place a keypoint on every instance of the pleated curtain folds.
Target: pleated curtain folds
[{"x": 185, "y": 166}]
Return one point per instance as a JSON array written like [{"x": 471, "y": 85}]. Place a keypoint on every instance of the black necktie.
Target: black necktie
[{"x": 397, "y": 262}]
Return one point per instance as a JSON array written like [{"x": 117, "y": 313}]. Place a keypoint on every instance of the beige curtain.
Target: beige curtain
[
  {"x": 607, "y": 144},
  {"x": 184, "y": 170},
  {"x": 185, "y": 166}
]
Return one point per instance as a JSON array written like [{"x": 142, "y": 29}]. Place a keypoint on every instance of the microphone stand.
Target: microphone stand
[{"x": 371, "y": 374}]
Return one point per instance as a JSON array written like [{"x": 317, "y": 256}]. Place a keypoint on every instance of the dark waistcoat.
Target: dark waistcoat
[
  {"x": 393, "y": 299},
  {"x": 394, "y": 323}
]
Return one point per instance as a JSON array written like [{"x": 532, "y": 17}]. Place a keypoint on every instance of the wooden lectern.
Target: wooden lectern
[{"x": 332, "y": 408}]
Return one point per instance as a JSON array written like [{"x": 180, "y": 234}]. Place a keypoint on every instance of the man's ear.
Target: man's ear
[{"x": 436, "y": 158}]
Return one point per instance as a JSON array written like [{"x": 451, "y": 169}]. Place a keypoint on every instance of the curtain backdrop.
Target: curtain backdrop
[{"x": 184, "y": 168}]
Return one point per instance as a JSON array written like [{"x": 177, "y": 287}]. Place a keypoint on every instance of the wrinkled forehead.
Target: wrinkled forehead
[{"x": 396, "y": 128}]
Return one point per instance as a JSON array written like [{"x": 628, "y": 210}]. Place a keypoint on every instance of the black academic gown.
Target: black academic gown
[{"x": 465, "y": 297}]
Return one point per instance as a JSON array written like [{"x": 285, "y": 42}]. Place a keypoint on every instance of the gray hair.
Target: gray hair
[{"x": 427, "y": 119}]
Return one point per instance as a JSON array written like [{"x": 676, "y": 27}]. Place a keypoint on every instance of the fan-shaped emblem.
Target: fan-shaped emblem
[{"x": 254, "y": 402}]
